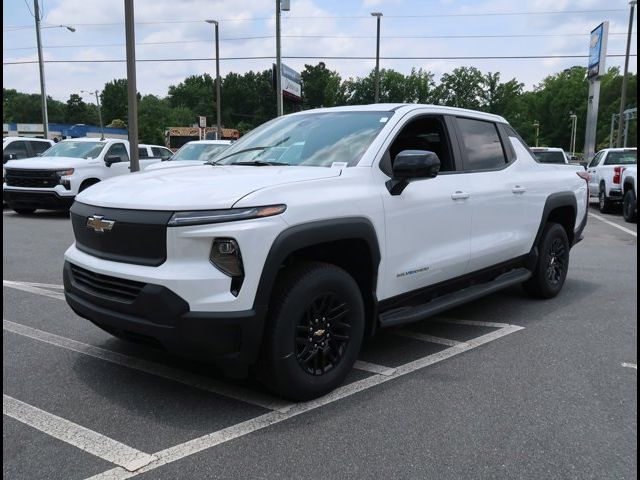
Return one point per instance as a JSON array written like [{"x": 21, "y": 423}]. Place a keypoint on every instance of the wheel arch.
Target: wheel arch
[
  {"x": 350, "y": 243},
  {"x": 87, "y": 182},
  {"x": 562, "y": 208}
]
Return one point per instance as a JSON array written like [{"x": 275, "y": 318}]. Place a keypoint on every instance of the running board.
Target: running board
[{"x": 400, "y": 316}]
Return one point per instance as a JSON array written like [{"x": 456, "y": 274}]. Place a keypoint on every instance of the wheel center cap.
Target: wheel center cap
[{"x": 319, "y": 333}]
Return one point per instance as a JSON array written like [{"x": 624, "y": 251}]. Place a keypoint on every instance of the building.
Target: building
[{"x": 61, "y": 131}]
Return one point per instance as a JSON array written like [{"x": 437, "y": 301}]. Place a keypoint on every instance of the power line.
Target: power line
[
  {"x": 345, "y": 17},
  {"x": 262, "y": 37},
  {"x": 319, "y": 57}
]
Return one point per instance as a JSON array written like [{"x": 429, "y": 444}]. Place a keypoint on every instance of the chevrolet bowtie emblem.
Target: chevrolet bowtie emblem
[{"x": 97, "y": 223}]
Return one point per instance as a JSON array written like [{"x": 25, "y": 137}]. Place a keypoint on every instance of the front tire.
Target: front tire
[
  {"x": 551, "y": 270},
  {"x": 314, "y": 331},
  {"x": 629, "y": 207}
]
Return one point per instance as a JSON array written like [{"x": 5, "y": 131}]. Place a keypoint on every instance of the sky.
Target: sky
[{"x": 176, "y": 29}]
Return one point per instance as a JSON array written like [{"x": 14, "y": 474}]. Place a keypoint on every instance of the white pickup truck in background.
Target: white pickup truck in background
[
  {"x": 605, "y": 172},
  {"x": 630, "y": 194},
  {"x": 52, "y": 181},
  {"x": 193, "y": 153}
]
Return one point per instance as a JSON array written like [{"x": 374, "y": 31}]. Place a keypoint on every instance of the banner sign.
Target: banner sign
[{"x": 598, "y": 50}]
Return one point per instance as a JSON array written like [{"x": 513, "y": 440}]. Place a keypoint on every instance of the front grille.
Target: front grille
[
  {"x": 138, "y": 237},
  {"x": 105, "y": 285},
  {"x": 32, "y": 178}
]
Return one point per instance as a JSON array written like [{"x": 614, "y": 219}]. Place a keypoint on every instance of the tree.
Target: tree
[
  {"x": 77, "y": 111},
  {"x": 420, "y": 87},
  {"x": 114, "y": 100},
  {"x": 154, "y": 115},
  {"x": 197, "y": 93},
  {"x": 462, "y": 88},
  {"x": 321, "y": 87},
  {"x": 117, "y": 123}
]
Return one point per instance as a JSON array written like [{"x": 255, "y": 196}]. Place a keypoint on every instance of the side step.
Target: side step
[{"x": 399, "y": 316}]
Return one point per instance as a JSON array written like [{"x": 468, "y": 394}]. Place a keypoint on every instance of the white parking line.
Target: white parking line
[
  {"x": 76, "y": 435},
  {"x": 613, "y": 224},
  {"x": 630, "y": 365},
  {"x": 33, "y": 288},
  {"x": 471, "y": 323},
  {"x": 181, "y": 376},
  {"x": 216, "y": 438},
  {"x": 427, "y": 338},
  {"x": 45, "y": 285},
  {"x": 374, "y": 368}
]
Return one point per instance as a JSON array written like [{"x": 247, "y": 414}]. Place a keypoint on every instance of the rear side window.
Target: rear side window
[
  {"x": 163, "y": 153},
  {"x": 40, "y": 147},
  {"x": 481, "y": 144},
  {"x": 142, "y": 152}
]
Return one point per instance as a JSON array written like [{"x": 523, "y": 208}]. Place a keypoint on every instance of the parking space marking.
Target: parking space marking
[
  {"x": 45, "y": 285},
  {"x": 374, "y": 368},
  {"x": 159, "y": 370},
  {"x": 83, "y": 438},
  {"x": 199, "y": 444},
  {"x": 427, "y": 338},
  {"x": 613, "y": 224},
  {"x": 471, "y": 323},
  {"x": 630, "y": 365},
  {"x": 33, "y": 288}
]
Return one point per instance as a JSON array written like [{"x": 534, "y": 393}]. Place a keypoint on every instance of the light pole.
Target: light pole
[
  {"x": 376, "y": 97},
  {"x": 43, "y": 90},
  {"x": 623, "y": 97},
  {"x": 99, "y": 110},
  {"x": 132, "y": 90},
  {"x": 218, "y": 107},
  {"x": 281, "y": 5},
  {"x": 574, "y": 127},
  {"x": 537, "y": 125}
]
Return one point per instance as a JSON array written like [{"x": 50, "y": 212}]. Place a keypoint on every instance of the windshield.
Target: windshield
[
  {"x": 75, "y": 149},
  {"x": 550, "y": 157},
  {"x": 198, "y": 151},
  {"x": 622, "y": 158},
  {"x": 315, "y": 139}
]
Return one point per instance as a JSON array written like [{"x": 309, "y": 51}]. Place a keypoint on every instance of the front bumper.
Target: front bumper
[
  {"x": 46, "y": 199},
  {"x": 159, "y": 316}
]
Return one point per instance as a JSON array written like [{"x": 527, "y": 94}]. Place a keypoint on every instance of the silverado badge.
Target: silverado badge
[{"x": 97, "y": 223}]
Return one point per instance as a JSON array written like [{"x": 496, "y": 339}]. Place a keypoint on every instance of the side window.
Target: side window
[
  {"x": 40, "y": 147},
  {"x": 18, "y": 149},
  {"x": 481, "y": 144},
  {"x": 142, "y": 152},
  {"x": 163, "y": 153},
  {"x": 118, "y": 150},
  {"x": 596, "y": 160},
  {"x": 422, "y": 133}
]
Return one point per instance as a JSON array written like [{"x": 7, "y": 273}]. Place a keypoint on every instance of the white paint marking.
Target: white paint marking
[
  {"x": 45, "y": 285},
  {"x": 613, "y": 224},
  {"x": 76, "y": 435},
  {"x": 374, "y": 368},
  {"x": 181, "y": 376},
  {"x": 28, "y": 287},
  {"x": 216, "y": 438},
  {"x": 630, "y": 365},
  {"x": 427, "y": 338},
  {"x": 472, "y": 323}
]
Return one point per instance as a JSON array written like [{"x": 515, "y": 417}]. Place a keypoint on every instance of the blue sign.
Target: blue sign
[{"x": 596, "y": 42}]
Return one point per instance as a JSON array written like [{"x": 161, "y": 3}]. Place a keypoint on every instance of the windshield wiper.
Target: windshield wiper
[
  {"x": 253, "y": 149},
  {"x": 259, "y": 163}
]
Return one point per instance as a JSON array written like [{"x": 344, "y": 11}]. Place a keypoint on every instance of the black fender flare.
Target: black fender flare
[
  {"x": 556, "y": 200},
  {"x": 310, "y": 234},
  {"x": 629, "y": 184}
]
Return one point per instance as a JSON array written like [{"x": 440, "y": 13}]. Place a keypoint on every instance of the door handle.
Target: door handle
[
  {"x": 518, "y": 189},
  {"x": 459, "y": 195}
]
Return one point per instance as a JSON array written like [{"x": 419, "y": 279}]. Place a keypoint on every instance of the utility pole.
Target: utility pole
[
  {"x": 376, "y": 97},
  {"x": 218, "y": 95},
  {"x": 537, "y": 125},
  {"x": 574, "y": 127},
  {"x": 43, "y": 90},
  {"x": 278, "y": 63},
  {"x": 99, "y": 110},
  {"x": 132, "y": 91},
  {"x": 623, "y": 97}
]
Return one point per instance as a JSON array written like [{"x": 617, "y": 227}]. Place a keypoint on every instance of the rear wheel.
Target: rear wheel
[
  {"x": 24, "y": 211},
  {"x": 629, "y": 207},
  {"x": 314, "y": 332},
  {"x": 603, "y": 201},
  {"x": 553, "y": 263}
]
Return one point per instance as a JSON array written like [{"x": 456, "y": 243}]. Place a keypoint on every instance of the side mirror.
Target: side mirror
[
  {"x": 111, "y": 159},
  {"x": 584, "y": 164},
  {"x": 412, "y": 164},
  {"x": 8, "y": 156}
]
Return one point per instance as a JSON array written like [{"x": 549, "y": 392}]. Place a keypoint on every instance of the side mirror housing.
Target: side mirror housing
[
  {"x": 584, "y": 164},
  {"x": 111, "y": 159},
  {"x": 412, "y": 164},
  {"x": 7, "y": 156}
]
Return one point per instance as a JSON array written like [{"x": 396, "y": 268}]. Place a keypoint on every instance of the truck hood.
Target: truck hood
[
  {"x": 49, "y": 163},
  {"x": 174, "y": 164},
  {"x": 202, "y": 187}
]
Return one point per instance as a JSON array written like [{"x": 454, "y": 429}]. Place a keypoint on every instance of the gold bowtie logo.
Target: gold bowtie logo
[{"x": 97, "y": 223}]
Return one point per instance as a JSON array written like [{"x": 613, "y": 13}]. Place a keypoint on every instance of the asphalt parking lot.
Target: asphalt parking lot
[{"x": 505, "y": 387}]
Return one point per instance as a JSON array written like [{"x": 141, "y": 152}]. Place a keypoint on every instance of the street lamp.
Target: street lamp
[
  {"x": 218, "y": 108},
  {"x": 281, "y": 5},
  {"x": 43, "y": 90},
  {"x": 537, "y": 125},
  {"x": 99, "y": 110},
  {"x": 574, "y": 127},
  {"x": 623, "y": 97},
  {"x": 377, "y": 87}
]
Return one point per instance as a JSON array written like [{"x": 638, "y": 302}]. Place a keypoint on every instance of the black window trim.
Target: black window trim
[
  {"x": 510, "y": 158},
  {"x": 125, "y": 151}
]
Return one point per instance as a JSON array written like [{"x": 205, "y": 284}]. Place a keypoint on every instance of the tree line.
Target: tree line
[{"x": 249, "y": 99}]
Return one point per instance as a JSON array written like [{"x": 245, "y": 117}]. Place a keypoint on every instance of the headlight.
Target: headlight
[
  {"x": 65, "y": 173},
  {"x": 202, "y": 217}
]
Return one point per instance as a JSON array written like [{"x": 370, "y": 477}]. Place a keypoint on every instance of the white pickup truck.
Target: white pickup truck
[
  {"x": 52, "y": 181},
  {"x": 630, "y": 193},
  {"x": 317, "y": 229},
  {"x": 605, "y": 171},
  {"x": 193, "y": 153}
]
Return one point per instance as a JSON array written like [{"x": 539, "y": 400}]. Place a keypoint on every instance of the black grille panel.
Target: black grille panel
[
  {"x": 138, "y": 236},
  {"x": 106, "y": 286},
  {"x": 31, "y": 178}
]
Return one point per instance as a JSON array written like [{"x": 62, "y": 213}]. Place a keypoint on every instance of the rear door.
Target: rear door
[{"x": 594, "y": 180}]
